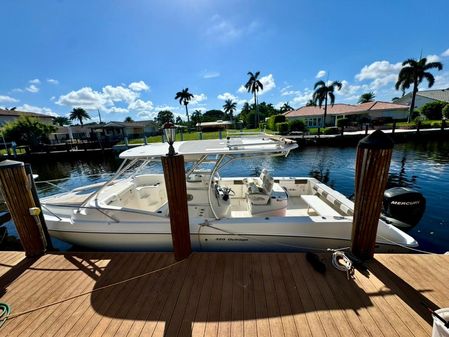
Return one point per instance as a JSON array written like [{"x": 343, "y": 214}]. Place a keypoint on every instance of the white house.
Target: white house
[
  {"x": 312, "y": 115},
  {"x": 425, "y": 96}
]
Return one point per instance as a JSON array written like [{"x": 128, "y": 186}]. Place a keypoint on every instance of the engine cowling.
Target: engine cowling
[{"x": 403, "y": 207}]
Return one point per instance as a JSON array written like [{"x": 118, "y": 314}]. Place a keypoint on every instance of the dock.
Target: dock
[{"x": 218, "y": 294}]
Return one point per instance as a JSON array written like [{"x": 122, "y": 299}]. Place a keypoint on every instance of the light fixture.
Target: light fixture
[{"x": 170, "y": 135}]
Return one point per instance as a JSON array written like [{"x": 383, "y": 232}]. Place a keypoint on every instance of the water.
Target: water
[{"x": 424, "y": 167}]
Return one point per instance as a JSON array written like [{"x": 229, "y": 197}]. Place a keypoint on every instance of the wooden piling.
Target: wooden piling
[
  {"x": 175, "y": 183},
  {"x": 16, "y": 190},
  {"x": 371, "y": 175}
]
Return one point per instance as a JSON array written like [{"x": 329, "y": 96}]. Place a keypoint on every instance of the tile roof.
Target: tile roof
[
  {"x": 4, "y": 112},
  {"x": 344, "y": 109}
]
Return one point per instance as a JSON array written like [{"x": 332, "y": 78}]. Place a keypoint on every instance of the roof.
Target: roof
[
  {"x": 16, "y": 113},
  {"x": 437, "y": 95},
  {"x": 137, "y": 124},
  {"x": 345, "y": 109},
  {"x": 194, "y": 149}
]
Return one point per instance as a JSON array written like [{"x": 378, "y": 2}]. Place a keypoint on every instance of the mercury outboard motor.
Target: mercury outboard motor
[{"x": 403, "y": 207}]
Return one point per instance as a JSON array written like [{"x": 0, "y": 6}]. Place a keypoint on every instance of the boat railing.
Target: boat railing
[
  {"x": 44, "y": 186},
  {"x": 244, "y": 134}
]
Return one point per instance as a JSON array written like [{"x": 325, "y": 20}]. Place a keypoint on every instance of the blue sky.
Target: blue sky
[{"x": 129, "y": 58}]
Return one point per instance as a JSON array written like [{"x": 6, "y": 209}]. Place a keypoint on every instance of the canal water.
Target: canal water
[{"x": 424, "y": 167}]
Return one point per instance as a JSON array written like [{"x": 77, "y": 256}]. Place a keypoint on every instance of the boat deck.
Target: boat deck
[{"x": 219, "y": 294}]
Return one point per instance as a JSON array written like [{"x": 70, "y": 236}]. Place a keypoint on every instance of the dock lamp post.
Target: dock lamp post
[
  {"x": 175, "y": 183},
  {"x": 170, "y": 136}
]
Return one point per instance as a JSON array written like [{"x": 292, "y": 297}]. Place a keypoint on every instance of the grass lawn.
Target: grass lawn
[
  {"x": 194, "y": 135},
  {"x": 412, "y": 124}
]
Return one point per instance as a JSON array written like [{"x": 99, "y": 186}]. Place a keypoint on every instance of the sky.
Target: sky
[{"x": 130, "y": 57}]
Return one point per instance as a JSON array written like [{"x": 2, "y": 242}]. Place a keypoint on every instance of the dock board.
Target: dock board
[{"x": 219, "y": 294}]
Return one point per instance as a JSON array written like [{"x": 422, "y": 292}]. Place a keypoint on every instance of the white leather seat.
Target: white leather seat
[{"x": 259, "y": 189}]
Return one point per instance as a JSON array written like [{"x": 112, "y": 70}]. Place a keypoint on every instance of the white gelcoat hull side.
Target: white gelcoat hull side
[{"x": 254, "y": 234}]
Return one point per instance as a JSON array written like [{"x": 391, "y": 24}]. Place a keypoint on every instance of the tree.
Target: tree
[
  {"x": 310, "y": 102},
  {"x": 253, "y": 86},
  {"x": 27, "y": 130},
  {"x": 286, "y": 107},
  {"x": 61, "y": 121},
  {"x": 184, "y": 97},
  {"x": 164, "y": 116},
  {"x": 367, "y": 97},
  {"x": 412, "y": 74},
  {"x": 196, "y": 117},
  {"x": 79, "y": 114},
  {"x": 229, "y": 107},
  {"x": 128, "y": 119},
  {"x": 321, "y": 94},
  {"x": 178, "y": 120}
]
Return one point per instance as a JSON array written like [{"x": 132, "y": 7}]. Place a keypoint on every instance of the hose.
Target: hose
[
  {"x": 343, "y": 263},
  {"x": 5, "y": 310}
]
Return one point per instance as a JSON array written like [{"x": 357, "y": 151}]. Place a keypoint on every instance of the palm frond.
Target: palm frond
[
  {"x": 433, "y": 65},
  {"x": 411, "y": 62},
  {"x": 320, "y": 83},
  {"x": 430, "y": 79},
  {"x": 332, "y": 98}
]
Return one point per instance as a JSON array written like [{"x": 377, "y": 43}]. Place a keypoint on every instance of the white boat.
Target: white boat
[{"x": 265, "y": 213}]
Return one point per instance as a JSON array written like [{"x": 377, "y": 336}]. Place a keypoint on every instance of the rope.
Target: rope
[
  {"x": 343, "y": 263},
  {"x": 405, "y": 247},
  {"x": 4, "y": 314},
  {"x": 8, "y": 316}
]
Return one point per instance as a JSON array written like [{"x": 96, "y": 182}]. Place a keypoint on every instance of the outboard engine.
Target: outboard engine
[{"x": 403, "y": 207}]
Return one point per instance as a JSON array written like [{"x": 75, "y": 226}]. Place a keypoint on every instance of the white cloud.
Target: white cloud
[
  {"x": 118, "y": 94},
  {"x": 139, "y": 86},
  {"x": 32, "y": 88},
  {"x": 42, "y": 110},
  {"x": 35, "y": 81},
  {"x": 442, "y": 80},
  {"x": 52, "y": 81},
  {"x": 210, "y": 74},
  {"x": 378, "y": 69},
  {"x": 17, "y": 90},
  {"x": 86, "y": 98},
  {"x": 8, "y": 99},
  {"x": 433, "y": 58},
  {"x": 115, "y": 109},
  {"x": 445, "y": 53},
  {"x": 302, "y": 97},
  {"x": 226, "y": 96},
  {"x": 321, "y": 74},
  {"x": 198, "y": 98},
  {"x": 224, "y": 30},
  {"x": 141, "y": 106}
]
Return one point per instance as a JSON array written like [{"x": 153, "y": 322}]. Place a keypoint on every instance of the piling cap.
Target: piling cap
[
  {"x": 376, "y": 140},
  {"x": 10, "y": 163}
]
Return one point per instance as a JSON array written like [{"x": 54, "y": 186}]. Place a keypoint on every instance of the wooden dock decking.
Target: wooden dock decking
[{"x": 220, "y": 294}]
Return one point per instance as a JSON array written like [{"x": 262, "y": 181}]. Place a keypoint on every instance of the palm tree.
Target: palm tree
[
  {"x": 61, "y": 121},
  {"x": 321, "y": 93},
  {"x": 285, "y": 107},
  {"x": 79, "y": 114},
  {"x": 412, "y": 73},
  {"x": 229, "y": 107},
  {"x": 184, "y": 97},
  {"x": 253, "y": 86},
  {"x": 310, "y": 102},
  {"x": 128, "y": 119},
  {"x": 367, "y": 97}
]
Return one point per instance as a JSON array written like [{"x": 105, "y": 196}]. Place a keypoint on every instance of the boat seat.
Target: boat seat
[
  {"x": 259, "y": 189},
  {"x": 319, "y": 205}
]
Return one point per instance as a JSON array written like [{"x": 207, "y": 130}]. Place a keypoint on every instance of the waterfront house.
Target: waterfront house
[
  {"x": 217, "y": 125},
  {"x": 118, "y": 130},
  {"x": 365, "y": 112},
  {"x": 425, "y": 96},
  {"x": 11, "y": 115}
]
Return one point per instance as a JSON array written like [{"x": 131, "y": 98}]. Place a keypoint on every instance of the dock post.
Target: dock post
[
  {"x": 366, "y": 129},
  {"x": 145, "y": 140},
  {"x": 175, "y": 183},
  {"x": 220, "y": 136},
  {"x": 181, "y": 134},
  {"x": 443, "y": 124},
  {"x": 200, "y": 135},
  {"x": 16, "y": 190},
  {"x": 371, "y": 175},
  {"x": 126, "y": 142},
  {"x": 29, "y": 172},
  {"x": 394, "y": 128}
]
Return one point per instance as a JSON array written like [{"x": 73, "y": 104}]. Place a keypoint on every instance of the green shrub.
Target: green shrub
[
  {"x": 342, "y": 122},
  {"x": 251, "y": 120},
  {"x": 273, "y": 120},
  {"x": 333, "y": 130},
  {"x": 27, "y": 131},
  {"x": 296, "y": 125},
  {"x": 445, "y": 110},
  {"x": 433, "y": 110},
  {"x": 282, "y": 128}
]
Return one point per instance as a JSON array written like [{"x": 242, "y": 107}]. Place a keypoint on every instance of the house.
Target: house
[
  {"x": 425, "y": 96},
  {"x": 11, "y": 115},
  {"x": 312, "y": 115},
  {"x": 119, "y": 130},
  {"x": 70, "y": 132}
]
